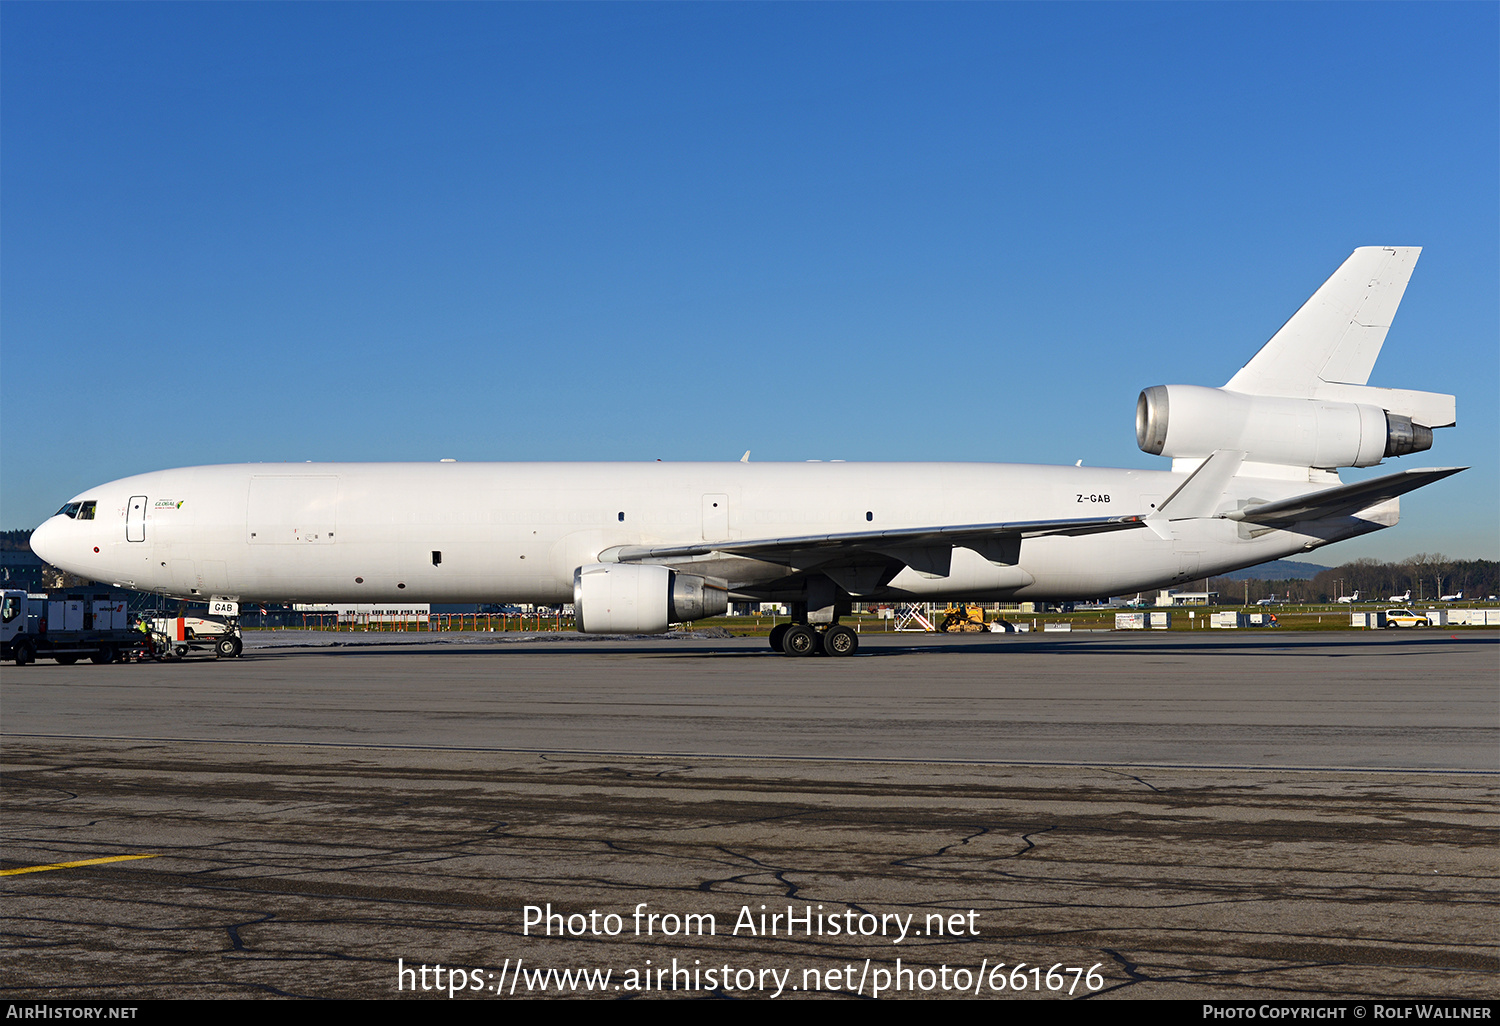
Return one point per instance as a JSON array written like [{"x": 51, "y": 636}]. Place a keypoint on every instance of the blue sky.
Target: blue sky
[{"x": 265, "y": 232}]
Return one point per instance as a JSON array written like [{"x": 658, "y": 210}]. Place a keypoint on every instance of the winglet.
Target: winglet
[{"x": 1199, "y": 494}]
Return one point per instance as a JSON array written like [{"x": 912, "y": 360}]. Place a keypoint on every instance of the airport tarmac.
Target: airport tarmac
[{"x": 1224, "y": 815}]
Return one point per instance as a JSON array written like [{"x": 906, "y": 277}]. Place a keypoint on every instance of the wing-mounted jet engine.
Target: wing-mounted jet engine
[{"x": 625, "y": 598}]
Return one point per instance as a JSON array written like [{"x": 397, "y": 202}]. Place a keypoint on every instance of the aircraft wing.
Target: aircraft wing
[
  {"x": 996, "y": 542},
  {"x": 1342, "y": 501}
]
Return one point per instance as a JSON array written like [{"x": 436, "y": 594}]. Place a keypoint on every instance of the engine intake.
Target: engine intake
[
  {"x": 1193, "y": 421},
  {"x": 635, "y": 598}
]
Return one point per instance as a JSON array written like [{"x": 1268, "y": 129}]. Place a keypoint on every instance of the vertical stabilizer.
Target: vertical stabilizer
[
  {"x": 1336, "y": 336},
  {"x": 1304, "y": 400}
]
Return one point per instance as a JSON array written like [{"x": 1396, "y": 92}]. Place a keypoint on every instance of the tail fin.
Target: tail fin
[
  {"x": 1303, "y": 401},
  {"x": 1337, "y": 334},
  {"x": 1329, "y": 347}
]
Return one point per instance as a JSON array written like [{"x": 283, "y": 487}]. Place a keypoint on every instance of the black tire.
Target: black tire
[
  {"x": 840, "y": 641},
  {"x": 66, "y": 659},
  {"x": 24, "y": 655},
  {"x": 801, "y": 640},
  {"x": 777, "y": 633},
  {"x": 239, "y": 646},
  {"x": 224, "y": 648},
  {"x": 103, "y": 657}
]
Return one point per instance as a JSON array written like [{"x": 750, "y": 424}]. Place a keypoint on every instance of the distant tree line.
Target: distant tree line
[{"x": 1427, "y": 575}]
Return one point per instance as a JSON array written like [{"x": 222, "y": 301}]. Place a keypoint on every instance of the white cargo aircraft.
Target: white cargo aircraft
[{"x": 636, "y": 548}]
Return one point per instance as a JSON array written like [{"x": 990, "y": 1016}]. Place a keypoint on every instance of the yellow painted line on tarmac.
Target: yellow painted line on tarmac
[{"x": 72, "y": 865}]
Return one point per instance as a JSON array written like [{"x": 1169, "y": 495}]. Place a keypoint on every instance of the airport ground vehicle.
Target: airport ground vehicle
[
  {"x": 963, "y": 619},
  {"x": 1405, "y": 618},
  {"x": 92, "y": 623},
  {"x": 175, "y": 636},
  {"x": 67, "y": 625}
]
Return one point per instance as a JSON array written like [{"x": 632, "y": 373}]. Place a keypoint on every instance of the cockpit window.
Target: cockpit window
[
  {"x": 86, "y": 511},
  {"x": 70, "y": 510}
]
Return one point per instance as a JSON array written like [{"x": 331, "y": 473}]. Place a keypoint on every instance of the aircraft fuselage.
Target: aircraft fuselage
[{"x": 516, "y": 532}]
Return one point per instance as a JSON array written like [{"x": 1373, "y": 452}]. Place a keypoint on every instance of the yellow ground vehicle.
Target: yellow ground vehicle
[{"x": 961, "y": 619}]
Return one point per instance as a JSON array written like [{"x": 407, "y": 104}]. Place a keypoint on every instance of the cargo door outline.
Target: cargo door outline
[
  {"x": 716, "y": 517},
  {"x": 292, "y": 510},
  {"x": 135, "y": 519}
]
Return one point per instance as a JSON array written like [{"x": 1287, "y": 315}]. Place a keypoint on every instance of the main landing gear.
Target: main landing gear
[{"x": 800, "y": 639}]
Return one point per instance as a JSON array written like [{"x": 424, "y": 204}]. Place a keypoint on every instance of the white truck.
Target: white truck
[
  {"x": 74, "y": 623},
  {"x": 67, "y": 625}
]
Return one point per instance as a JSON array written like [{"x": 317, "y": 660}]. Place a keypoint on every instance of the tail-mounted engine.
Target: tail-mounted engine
[
  {"x": 633, "y": 598},
  {"x": 1293, "y": 432}
]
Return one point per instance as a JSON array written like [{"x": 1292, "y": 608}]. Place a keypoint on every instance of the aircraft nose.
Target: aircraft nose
[{"x": 44, "y": 542}]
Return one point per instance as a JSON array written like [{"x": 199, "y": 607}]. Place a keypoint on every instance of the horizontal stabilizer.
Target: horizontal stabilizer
[
  {"x": 1342, "y": 501},
  {"x": 1430, "y": 409}
]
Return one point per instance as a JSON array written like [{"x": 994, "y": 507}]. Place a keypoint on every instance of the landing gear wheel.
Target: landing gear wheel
[
  {"x": 840, "y": 641},
  {"x": 801, "y": 640},
  {"x": 224, "y": 648},
  {"x": 777, "y": 633}
]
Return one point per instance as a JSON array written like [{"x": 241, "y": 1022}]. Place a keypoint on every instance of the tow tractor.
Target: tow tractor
[
  {"x": 963, "y": 619},
  {"x": 173, "y": 637}
]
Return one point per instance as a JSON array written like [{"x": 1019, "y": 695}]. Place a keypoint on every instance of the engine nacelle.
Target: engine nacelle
[
  {"x": 1268, "y": 429},
  {"x": 634, "y": 598}
]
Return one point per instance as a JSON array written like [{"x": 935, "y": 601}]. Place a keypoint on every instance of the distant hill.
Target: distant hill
[{"x": 1276, "y": 570}]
